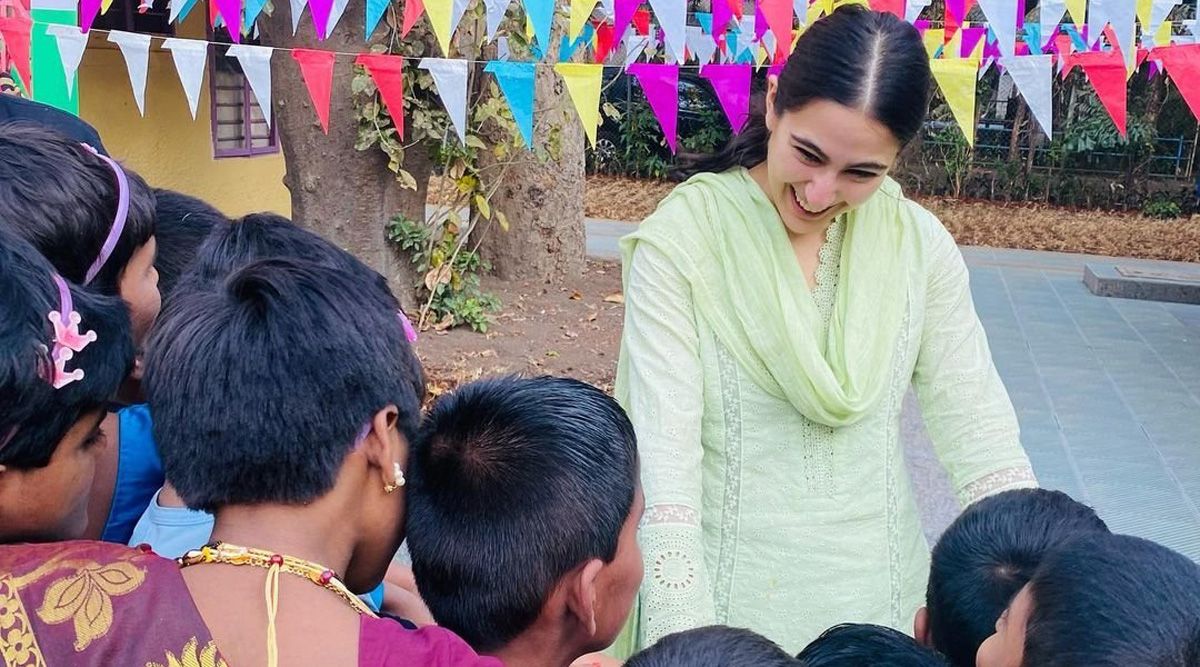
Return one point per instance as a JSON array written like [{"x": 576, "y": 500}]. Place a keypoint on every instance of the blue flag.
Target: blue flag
[
  {"x": 705, "y": 19},
  {"x": 1033, "y": 38},
  {"x": 375, "y": 10},
  {"x": 516, "y": 82},
  {"x": 541, "y": 15}
]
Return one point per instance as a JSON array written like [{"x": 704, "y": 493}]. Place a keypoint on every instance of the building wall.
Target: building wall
[{"x": 167, "y": 147}]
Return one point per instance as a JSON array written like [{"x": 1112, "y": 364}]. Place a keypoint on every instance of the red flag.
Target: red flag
[
  {"x": 641, "y": 21},
  {"x": 1182, "y": 63},
  {"x": 735, "y": 6},
  {"x": 412, "y": 11},
  {"x": 1106, "y": 71},
  {"x": 317, "y": 69},
  {"x": 387, "y": 72},
  {"x": 605, "y": 36},
  {"x": 15, "y": 31},
  {"x": 894, "y": 6},
  {"x": 778, "y": 14}
]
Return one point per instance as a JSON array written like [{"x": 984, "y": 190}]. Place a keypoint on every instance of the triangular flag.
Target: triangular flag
[
  {"x": 935, "y": 39},
  {"x": 641, "y": 21},
  {"x": 412, "y": 13},
  {"x": 581, "y": 11},
  {"x": 1183, "y": 65},
  {"x": 441, "y": 19},
  {"x": 1033, "y": 38},
  {"x": 190, "y": 56},
  {"x": 608, "y": 7},
  {"x": 1159, "y": 11},
  {"x": 256, "y": 65},
  {"x": 778, "y": 14},
  {"x": 1033, "y": 76},
  {"x": 1002, "y": 19},
  {"x": 375, "y": 10},
  {"x": 71, "y": 44},
  {"x": 735, "y": 6},
  {"x": 253, "y": 9},
  {"x": 623, "y": 14},
  {"x": 496, "y": 9},
  {"x": 1050, "y": 14},
  {"x": 335, "y": 15},
  {"x": 972, "y": 42},
  {"x": 1122, "y": 16},
  {"x": 957, "y": 80},
  {"x": 604, "y": 40},
  {"x": 231, "y": 13},
  {"x": 320, "y": 10},
  {"x": 634, "y": 46},
  {"x": 387, "y": 73},
  {"x": 672, "y": 17},
  {"x": 660, "y": 83},
  {"x": 1077, "y": 9},
  {"x": 516, "y": 81},
  {"x": 1106, "y": 71},
  {"x": 705, "y": 20},
  {"x": 1163, "y": 36},
  {"x": 135, "y": 47},
  {"x": 541, "y": 15},
  {"x": 15, "y": 31},
  {"x": 914, "y": 8},
  {"x": 583, "y": 86},
  {"x": 954, "y": 46},
  {"x": 297, "y": 11},
  {"x": 958, "y": 9},
  {"x": 316, "y": 67},
  {"x": 700, "y": 44},
  {"x": 90, "y": 9},
  {"x": 721, "y": 16},
  {"x": 894, "y": 6},
  {"x": 732, "y": 85},
  {"x": 450, "y": 79}
]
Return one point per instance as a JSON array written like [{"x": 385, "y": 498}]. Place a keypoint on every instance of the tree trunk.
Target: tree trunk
[
  {"x": 344, "y": 194},
  {"x": 543, "y": 199}
]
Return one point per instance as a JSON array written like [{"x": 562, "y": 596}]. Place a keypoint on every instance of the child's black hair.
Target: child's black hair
[
  {"x": 714, "y": 646},
  {"x": 513, "y": 483},
  {"x": 1114, "y": 601},
  {"x": 865, "y": 645},
  {"x": 36, "y": 416},
  {"x": 260, "y": 384},
  {"x": 62, "y": 198},
  {"x": 182, "y": 223},
  {"x": 987, "y": 555}
]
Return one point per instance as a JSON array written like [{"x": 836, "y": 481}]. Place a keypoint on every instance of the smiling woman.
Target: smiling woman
[{"x": 779, "y": 305}]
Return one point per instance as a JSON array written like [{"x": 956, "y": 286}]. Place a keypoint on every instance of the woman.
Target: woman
[{"x": 780, "y": 303}]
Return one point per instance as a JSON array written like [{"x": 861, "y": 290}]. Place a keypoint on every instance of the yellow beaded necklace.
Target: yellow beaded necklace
[{"x": 273, "y": 563}]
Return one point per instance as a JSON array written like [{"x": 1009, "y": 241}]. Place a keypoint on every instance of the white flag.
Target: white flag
[
  {"x": 700, "y": 44},
  {"x": 297, "y": 10},
  {"x": 256, "y": 64},
  {"x": 1122, "y": 14},
  {"x": 1050, "y": 15},
  {"x": 635, "y": 44},
  {"x": 495, "y": 14},
  {"x": 450, "y": 79},
  {"x": 335, "y": 14},
  {"x": 1033, "y": 76},
  {"x": 190, "y": 56},
  {"x": 135, "y": 47},
  {"x": 1002, "y": 19},
  {"x": 71, "y": 44},
  {"x": 913, "y": 9},
  {"x": 672, "y": 17}
]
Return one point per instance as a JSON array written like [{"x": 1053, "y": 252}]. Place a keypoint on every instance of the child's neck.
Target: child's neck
[{"x": 538, "y": 647}]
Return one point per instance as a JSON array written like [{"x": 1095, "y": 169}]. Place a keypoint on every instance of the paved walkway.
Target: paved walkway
[{"x": 1107, "y": 390}]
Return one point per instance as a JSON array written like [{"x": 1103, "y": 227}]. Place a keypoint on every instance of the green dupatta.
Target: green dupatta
[{"x": 726, "y": 238}]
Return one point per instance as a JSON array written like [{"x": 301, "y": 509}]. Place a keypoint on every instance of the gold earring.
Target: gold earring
[{"x": 398, "y": 473}]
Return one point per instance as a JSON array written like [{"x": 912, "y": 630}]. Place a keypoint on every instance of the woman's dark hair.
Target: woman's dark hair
[
  {"x": 62, "y": 198},
  {"x": 36, "y": 416},
  {"x": 873, "y": 61}
]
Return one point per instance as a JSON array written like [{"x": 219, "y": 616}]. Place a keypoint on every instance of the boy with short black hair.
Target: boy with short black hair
[
  {"x": 1102, "y": 601},
  {"x": 864, "y": 645},
  {"x": 986, "y": 556},
  {"x": 714, "y": 646},
  {"x": 524, "y": 502}
]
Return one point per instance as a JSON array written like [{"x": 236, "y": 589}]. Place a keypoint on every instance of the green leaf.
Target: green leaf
[
  {"x": 475, "y": 142},
  {"x": 406, "y": 179}
]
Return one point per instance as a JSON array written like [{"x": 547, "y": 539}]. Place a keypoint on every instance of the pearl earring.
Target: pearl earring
[{"x": 398, "y": 473}]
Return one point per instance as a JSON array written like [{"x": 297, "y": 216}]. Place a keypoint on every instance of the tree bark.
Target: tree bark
[{"x": 344, "y": 194}]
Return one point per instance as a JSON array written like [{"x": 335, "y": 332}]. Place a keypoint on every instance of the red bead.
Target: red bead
[
  {"x": 326, "y": 576},
  {"x": 145, "y": 548},
  {"x": 276, "y": 560}
]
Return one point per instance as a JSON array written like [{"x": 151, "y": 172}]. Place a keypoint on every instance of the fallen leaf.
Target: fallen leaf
[
  {"x": 615, "y": 298},
  {"x": 576, "y": 296}
]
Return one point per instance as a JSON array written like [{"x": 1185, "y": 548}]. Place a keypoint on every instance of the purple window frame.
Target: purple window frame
[{"x": 248, "y": 99}]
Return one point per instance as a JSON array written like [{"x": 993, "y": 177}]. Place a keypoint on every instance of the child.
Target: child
[
  {"x": 55, "y": 384},
  {"x": 182, "y": 223},
  {"x": 864, "y": 645},
  {"x": 714, "y": 646},
  {"x": 524, "y": 506},
  {"x": 1102, "y": 601},
  {"x": 985, "y": 557}
]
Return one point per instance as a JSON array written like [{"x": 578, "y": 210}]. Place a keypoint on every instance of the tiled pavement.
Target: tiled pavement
[{"x": 1107, "y": 390}]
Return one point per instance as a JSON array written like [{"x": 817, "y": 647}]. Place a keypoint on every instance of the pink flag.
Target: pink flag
[
  {"x": 231, "y": 13},
  {"x": 778, "y": 14},
  {"x": 15, "y": 32},
  {"x": 722, "y": 14},
  {"x": 88, "y": 11},
  {"x": 732, "y": 85},
  {"x": 317, "y": 69},
  {"x": 970, "y": 40},
  {"x": 1182, "y": 63},
  {"x": 388, "y": 76},
  {"x": 1106, "y": 71},
  {"x": 412, "y": 12},
  {"x": 623, "y": 16},
  {"x": 894, "y": 6},
  {"x": 320, "y": 15},
  {"x": 760, "y": 21},
  {"x": 660, "y": 83}
]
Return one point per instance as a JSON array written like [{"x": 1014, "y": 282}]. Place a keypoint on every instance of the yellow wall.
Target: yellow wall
[{"x": 166, "y": 147}]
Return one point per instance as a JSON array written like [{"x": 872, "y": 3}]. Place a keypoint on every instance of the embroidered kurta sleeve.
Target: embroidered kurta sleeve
[
  {"x": 965, "y": 406},
  {"x": 665, "y": 401}
]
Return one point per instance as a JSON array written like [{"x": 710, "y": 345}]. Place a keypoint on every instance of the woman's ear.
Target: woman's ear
[{"x": 769, "y": 109}]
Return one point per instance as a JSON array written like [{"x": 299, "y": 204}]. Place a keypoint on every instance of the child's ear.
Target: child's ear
[
  {"x": 383, "y": 444},
  {"x": 583, "y": 593},
  {"x": 921, "y": 628}
]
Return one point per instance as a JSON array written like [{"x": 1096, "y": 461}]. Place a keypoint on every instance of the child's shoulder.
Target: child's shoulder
[{"x": 385, "y": 642}]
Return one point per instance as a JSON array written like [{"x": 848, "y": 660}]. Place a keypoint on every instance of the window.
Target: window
[
  {"x": 239, "y": 128},
  {"x": 146, "y": 16}
]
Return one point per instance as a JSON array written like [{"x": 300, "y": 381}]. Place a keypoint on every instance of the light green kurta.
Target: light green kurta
[{"x": 758, "y": 517}]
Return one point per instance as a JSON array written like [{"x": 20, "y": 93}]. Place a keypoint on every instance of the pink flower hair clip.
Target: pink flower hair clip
[{"x": 67, "y": 338}]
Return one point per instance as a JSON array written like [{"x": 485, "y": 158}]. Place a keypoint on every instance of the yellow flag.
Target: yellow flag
[
  {"x": 839, "y": 3},
  {"x": 439, "y": 17},
  {"x": 954, "y": 46},
  {"x": 1163, "y": 36},
  {"x": 934, "y": 39},
  {"x": 104, "y": 5},
  {"x": 816, "y": 9},
  {"x": 581, "y": 11},
  {"x": 583, "y": 85},
  {"x": 761, "y": 56},
  {"x": 1078, "y": 10},
  {"x": 1143, "y": 13},
  {"x": 957, "y": 79}
]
